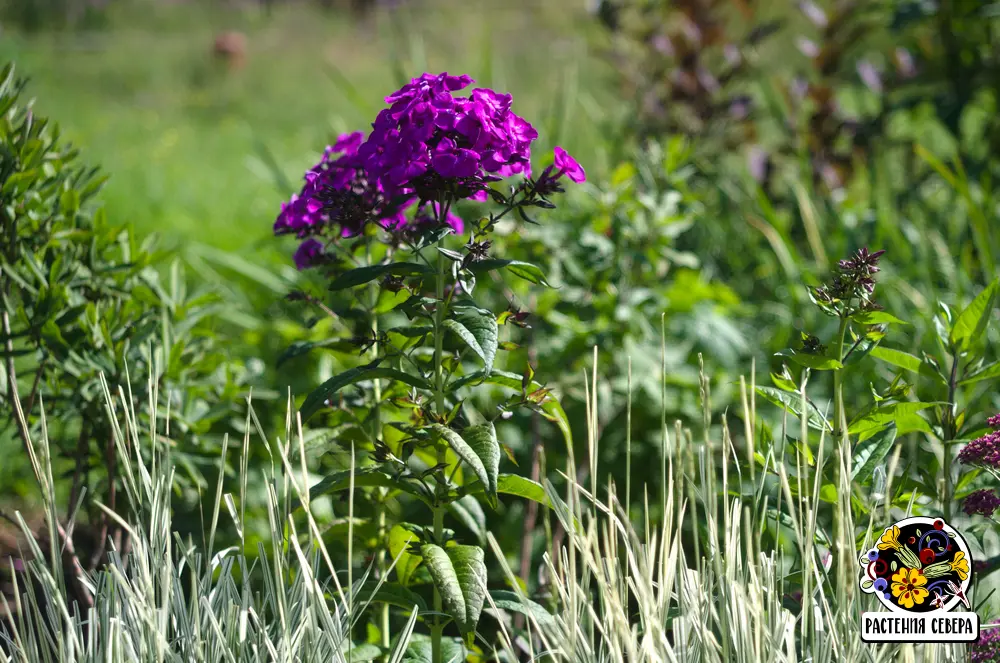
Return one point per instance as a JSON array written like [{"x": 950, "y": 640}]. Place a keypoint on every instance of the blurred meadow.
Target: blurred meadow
[{"x": 192, "y": 144}]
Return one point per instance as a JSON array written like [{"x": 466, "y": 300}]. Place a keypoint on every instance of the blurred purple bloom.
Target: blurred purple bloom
[
  {"x": 987, "y": 648},
  {"x": 309, "y": 254}
]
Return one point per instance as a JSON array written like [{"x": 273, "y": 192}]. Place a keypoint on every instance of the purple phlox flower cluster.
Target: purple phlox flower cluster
[
  {"x": 337, "y": 197},
  {"x": 987, "y": 648},
  {"x": 428, "y": 149},
  {"x": 984, "y": 450},
  {"x": 983, "y": 502},
  {"x": 429, "y": 139}
]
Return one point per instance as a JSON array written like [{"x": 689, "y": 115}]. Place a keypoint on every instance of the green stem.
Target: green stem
[
  {"x": 380, "y": 560},
  {"x": 948, "y": 429},
  {"x": 838, "y": 378},
  {"x": 438, "y": 627}
]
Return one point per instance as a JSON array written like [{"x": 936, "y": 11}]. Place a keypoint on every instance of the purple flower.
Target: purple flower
[
  {"x": 982, "y": 451},
  {"x": 994, "y": 422},
  {"x": 987, "y": 648},
  {"x": 568, "y": 165},
  {"x": 984, "y": 502},
  {"x": 309, "y": 254},
  {"x": 428, "y": 138}
]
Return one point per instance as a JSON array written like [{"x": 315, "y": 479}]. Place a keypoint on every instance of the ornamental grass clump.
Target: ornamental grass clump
[{"x": 377, "y": 218}]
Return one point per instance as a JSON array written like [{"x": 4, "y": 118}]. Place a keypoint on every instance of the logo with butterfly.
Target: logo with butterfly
[{"x": 920, "y": 570}]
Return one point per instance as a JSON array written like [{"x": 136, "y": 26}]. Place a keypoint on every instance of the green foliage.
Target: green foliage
[{"x": 81, "y": 300}]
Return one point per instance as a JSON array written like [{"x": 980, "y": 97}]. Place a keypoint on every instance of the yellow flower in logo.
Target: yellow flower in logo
[
  {"x": 908, "y": 587},
  {"x": 960, "y": 565},
  {"x": 890, "y": 539}
]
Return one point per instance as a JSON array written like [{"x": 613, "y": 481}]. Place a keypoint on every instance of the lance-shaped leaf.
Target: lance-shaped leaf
[
  {"x": 869, "y": 423},
  {"x": 315, "y": 400},
  {"x": 478, "y": 329},
  {"x": 871, "y": 452},
  {"x": 524, "y": 270},
  {"x": 972, "y": 322},
  {"x": 478, "y": 447},
  {"x": 792, "y": 403},
  {"x": 365, "y": 477},
  {"x": 391, "y": 593},
  {"x": 362, "y": 275},
  {"x": 460, "y": 576},
  {"x": 551, "y": 408},
  {"x": 470, "y": 512},
  {"x": 507, "y": 600},
  {"x": 401, "y": 547}
]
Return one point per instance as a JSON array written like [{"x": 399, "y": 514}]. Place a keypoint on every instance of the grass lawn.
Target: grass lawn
[{"x": 181, "y": 136}]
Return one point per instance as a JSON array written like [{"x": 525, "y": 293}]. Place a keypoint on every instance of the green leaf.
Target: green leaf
[
  {"x": 784, "y": 383},
  {"x": 516, "y": 486},
  {"x": 468, "y": 510},
  {"x": 300, "y": 348},
  {"x": 524, "y": 270},
  {"x": 507, "y": 600},
  {"x": 792, "y": 403},
  {"x": 364, "y": 477},
  {"x": 478, "y": 447},
  {"x": 552, "y": 409},
  {"x": 877, "y": 318},
  {"x": 315, "y": 400},
  {"x": 971, "y": 323},
  {"x": 401, "y": 542},
  {"x": 420, "y": 649},
  {"x": 904, "y": 360},
  {"x": 393, "y": 594},
  {"x": 478, "y": 329},
  {"x": 365, "y": 652},
  {"x": 869, "y": 453},
  {"x": 869, "y": 423},
  {"x": 460, "y": 577},
  {"x": 815, "y": 362},
  {"x": 988, "y": 372},
  {"x": 362, "y": 275}
]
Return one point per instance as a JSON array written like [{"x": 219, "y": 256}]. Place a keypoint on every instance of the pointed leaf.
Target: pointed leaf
[
  {"x": 393, "y": 594},
  {"x": 524, "y": 270},
  {"x": 315, "y": 400},
  {"x": 471, "y": 514},
  {"x": 368, "y": 273},
  {"x": 792, "y": 403},
  {"x": 877, "y": 418},
  {"x": 971, "y": 323},
  {"x": 480, "y": 451},
  {"x": 478, "y": 329},
  {"x": 401, "y": 543},
  {"x": 508, "y": 600},
  {"x": 870, "y": 453},
  {"x": 460, "y": 577},
  {"x": 552, "y": 409}
]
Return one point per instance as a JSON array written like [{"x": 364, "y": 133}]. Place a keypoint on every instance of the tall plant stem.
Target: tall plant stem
[
  {"x": 949, "y": 432},
  {"x": 380, "y": 559},
  {"x": 439, "y": 314}
]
